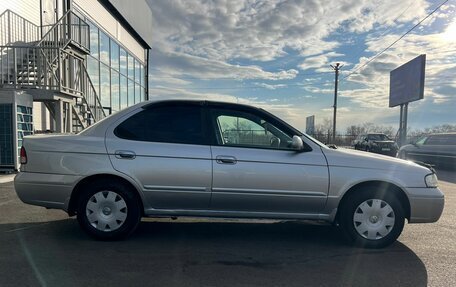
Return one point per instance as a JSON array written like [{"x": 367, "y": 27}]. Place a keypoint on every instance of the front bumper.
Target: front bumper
[
  {"x": 391, "y": 151},
  {"x": 47, "y": 190},
  {"x": 426, "y": 204}
]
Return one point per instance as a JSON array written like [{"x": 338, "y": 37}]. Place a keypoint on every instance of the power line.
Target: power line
[
  {"x": 395, "y": 19},
  {"x": 397, "y": 40}
]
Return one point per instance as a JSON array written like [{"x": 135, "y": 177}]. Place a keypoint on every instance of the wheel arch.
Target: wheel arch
[
  {"x": 382, "y": 186},
  {"x": 79, "y": 187}
]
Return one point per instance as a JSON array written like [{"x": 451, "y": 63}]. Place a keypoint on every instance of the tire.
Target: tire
[
  {"x": 371, "y": 218},
  {"x": 108, "y": 210}
]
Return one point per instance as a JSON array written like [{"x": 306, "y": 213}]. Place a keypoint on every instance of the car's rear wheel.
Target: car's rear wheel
[
  {"x": 108, "y": 210},
  {"x": 371, "y": 219}
]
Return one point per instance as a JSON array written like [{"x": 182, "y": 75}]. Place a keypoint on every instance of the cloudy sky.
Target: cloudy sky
[{"x": 276, "y": 54}]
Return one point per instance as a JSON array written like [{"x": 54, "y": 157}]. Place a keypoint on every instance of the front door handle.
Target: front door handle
[
  {"x": 125, "y": 154},
  {"x": 225, "y": 159}
]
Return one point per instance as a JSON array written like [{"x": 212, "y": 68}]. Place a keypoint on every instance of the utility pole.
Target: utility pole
[{"x": 336, "y": 69}]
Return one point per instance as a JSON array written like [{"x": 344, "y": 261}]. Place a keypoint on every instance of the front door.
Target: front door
[{"x": 256, "y": 170}]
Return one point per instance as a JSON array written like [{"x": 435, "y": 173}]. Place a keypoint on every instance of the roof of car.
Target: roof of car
[
  {"x": 202, "y": 102},
  {"x": 443, "y": 134}
]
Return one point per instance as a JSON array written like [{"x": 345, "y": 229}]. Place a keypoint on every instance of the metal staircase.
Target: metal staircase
[{"x": 51, "y": 68}]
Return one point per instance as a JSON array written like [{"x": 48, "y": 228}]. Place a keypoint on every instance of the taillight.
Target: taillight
[{"x": 23, "y": 156}]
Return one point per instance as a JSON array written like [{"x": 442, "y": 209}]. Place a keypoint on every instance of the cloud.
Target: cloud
[
  {"x": 275, "y": 40},
  {"x": 374, "y": 77},
  {"x": 227, "y": 30},
  {"x": 178, "y": 64},
  {"x": 343, "y": 109},
  {"x": 269, "y": 86},
  {"x": 322, "y": 62}
]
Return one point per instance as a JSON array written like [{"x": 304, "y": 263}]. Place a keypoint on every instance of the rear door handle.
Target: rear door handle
[
  {"x": 225, "y": 159},
  {"x": 125, "y": 154}
]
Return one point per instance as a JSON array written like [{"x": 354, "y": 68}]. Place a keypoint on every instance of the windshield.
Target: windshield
[{"x": 378, "y": 137}]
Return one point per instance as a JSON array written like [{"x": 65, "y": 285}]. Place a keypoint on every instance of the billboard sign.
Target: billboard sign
[
  {"x": 407, "y": 82},
  {"x": 310, "y": 125}
]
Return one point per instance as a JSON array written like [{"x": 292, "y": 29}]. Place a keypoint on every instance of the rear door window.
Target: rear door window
[
  {"x": 441, "y": 140},
  {"x": 171, "y": 124}
]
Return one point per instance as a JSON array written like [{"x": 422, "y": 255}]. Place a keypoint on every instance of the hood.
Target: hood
[{"x": 365, "y": 160}]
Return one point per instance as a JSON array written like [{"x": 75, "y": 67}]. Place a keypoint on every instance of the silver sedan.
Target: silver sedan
[{"x": 211, "y": 159}]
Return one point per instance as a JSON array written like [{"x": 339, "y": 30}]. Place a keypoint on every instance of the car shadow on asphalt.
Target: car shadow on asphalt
[{"x": 165, "y": 253}]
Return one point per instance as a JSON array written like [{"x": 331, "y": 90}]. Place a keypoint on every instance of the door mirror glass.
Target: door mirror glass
[{"x": 297, "y": 143}]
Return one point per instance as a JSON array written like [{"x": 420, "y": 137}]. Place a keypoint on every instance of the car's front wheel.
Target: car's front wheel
[
  {"x": 108, "y": 210},
  {"x": 371, "y": 219}
]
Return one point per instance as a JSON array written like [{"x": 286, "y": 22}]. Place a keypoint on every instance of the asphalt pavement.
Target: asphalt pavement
[{"x": 40, "y": 247}]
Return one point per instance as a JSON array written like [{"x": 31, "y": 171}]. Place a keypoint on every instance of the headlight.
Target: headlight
[{"x": 431, "y": 180}]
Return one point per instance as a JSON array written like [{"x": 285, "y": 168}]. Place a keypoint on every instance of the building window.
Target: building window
[
  {"x": 118, "y": 77},
  {"x": 131, "y": 93},
  {"x": 115, "y": 91},
  {"x": 123, "y": 62},
  {"x": 131, "y": 67},
  {"x": 137, "y": 72},
  {"x": 137, "y": 93},
  {"x": 94, "y": 73},
  {"x": 93, "y": 40},
  {"x": 105, "y": 86},
  {"x": 114, "y": 55},
  {"x": 104, "y": 48},
  {"x": 123, "y": 92}
]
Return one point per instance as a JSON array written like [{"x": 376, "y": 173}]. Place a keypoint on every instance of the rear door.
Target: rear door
[
  {"x": 164, "y": 148},
  {"x": 255, "y": 169}
]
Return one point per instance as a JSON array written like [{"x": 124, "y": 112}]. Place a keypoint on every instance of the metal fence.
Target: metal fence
[{"x": 341, "y": 140}]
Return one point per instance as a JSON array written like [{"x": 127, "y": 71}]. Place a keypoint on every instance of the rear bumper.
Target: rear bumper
[
  {"x": 47, "y": 190},
  {"x": 426, "y": 204}
]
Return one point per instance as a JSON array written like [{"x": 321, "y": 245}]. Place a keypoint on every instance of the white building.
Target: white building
[{"x": 65, "y": 64}]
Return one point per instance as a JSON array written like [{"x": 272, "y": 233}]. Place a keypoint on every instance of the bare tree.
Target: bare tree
[
  {"x": 323, "y": 131},
  {"x": 355, "y": 130}
]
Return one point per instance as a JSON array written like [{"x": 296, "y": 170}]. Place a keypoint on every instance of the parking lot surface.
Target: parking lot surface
[{"x": 40, "y": 247}]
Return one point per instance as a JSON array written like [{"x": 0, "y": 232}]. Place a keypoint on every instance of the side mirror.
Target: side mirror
[{"x": 297, "y": 143}]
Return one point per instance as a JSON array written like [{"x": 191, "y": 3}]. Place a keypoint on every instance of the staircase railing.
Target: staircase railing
[
  {"x": 15, "y": 29},
  {"x": 48, "y": 65},
  {"x": 69, "y": 29},
  {"x": 23, "y": 67},
  {"x": 77, "y": 82},
  {"x": 28, "y": 67},
  {"x": 91, "y": 98}
]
